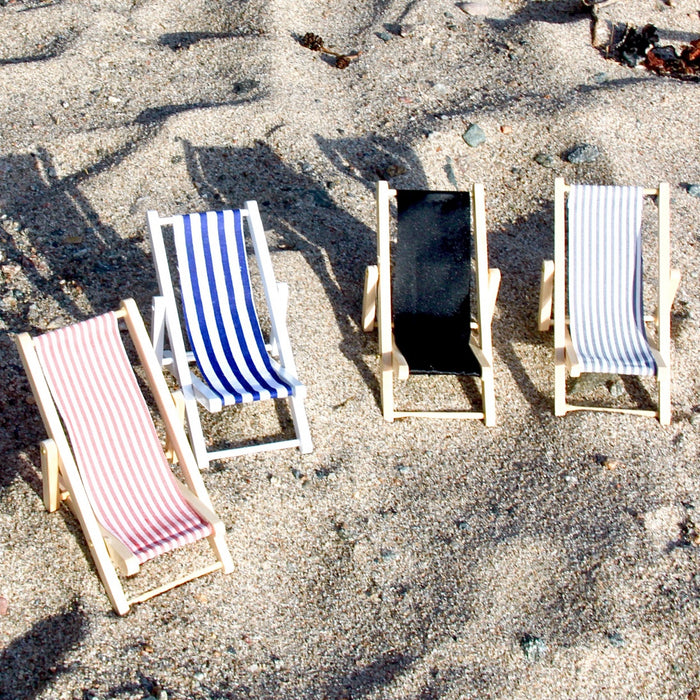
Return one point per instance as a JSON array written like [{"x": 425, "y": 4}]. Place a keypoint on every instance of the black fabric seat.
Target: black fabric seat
[{"x": 431, "y": 282}]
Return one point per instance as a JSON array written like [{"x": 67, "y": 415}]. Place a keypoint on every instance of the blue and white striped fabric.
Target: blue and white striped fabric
[
  {"x": 605, "y": 280},
  {"x": 222, "y": 325}
]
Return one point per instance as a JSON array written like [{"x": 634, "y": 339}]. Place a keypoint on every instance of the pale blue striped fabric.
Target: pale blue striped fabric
[
  {"x": 220, "y": 317},
  {"x": 605, "y": 280}
]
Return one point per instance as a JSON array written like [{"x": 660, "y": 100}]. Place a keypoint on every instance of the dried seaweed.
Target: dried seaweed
[
  {"x": 635, "y": 47},
  {"x": 315, "y": 43}
]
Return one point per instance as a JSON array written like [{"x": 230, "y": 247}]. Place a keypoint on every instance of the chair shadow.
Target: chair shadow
[
  {"x": 302, "y": 212},
  {"x": 28, "y": 663}
]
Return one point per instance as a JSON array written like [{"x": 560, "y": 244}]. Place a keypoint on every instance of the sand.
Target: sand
[{"x": 542, "y": 558}]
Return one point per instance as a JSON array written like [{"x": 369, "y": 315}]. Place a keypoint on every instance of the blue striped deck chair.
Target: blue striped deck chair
[
  {"x": 225, "y": 342},
  {"x": 597, "y": 268}
]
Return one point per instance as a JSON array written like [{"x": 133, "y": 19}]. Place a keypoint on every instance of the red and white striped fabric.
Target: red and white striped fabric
[{"x": 121, "y": 461}]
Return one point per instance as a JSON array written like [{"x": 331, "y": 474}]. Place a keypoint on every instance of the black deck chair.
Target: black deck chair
[{"x": 422, "y": 299}]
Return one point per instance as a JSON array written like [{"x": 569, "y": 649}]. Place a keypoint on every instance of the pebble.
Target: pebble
[
  {"x": 616, "y": 388},
  {"x": 545, "y": 160},
  {"x": 474, "y": 135},
  {"x": 384, "y": 36},
  {"x": 475, "y": 9},
  {"x": 583, "y": 153},
  {"x": 616, "y": 639},
  {"x": 533, "y": 647},
  {"x": 199, "y": 676},
  {"x": 4, "y": 605},
  {"x": 694, "y": 190}
]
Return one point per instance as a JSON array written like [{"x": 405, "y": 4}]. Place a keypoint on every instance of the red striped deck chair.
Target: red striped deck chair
[
  {"x": 598, "y": 270},
  {"x": 103, "y": 455},
  {"x": 225, "y": 342},
  {"x": 434, "y": 298}
]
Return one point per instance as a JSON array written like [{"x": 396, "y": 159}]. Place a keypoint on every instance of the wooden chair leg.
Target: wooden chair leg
[
  {"x": 488, "y": 397},
  {"x": 369, "y": 298},
  {"x": 664, "y": 397},
  {"x": 559, "y": 382},
  {"x": 301, "y": 424},
  {"x": 49, "y": 475},
  {"x": 179, "y": 401},
  {"x": 544, "y": 317}
]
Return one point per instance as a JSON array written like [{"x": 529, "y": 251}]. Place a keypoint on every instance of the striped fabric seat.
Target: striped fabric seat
[
  {"x": 121, "y": 461},
  {"x": 605, "y": 280},
  {"x": 220, "y": 317}
]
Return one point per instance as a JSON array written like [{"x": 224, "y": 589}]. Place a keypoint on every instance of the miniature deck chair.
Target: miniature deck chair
[
  {"x": 224, "y": 333},
  {"x": 110, "y": 468},
  {"x": 423, "y": 305},
  {"x": 598, "y": 229}
]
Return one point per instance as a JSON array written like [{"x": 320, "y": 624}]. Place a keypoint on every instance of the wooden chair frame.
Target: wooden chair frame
[
  {"x": 62, "y": 480},
  {"x": 553, "y": 312},
  {"x": 377, "y": 305},
  {"x": 177, "y": 359}
]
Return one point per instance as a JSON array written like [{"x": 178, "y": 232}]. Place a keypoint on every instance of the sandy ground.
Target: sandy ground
[{"x": 542, "y": 558}]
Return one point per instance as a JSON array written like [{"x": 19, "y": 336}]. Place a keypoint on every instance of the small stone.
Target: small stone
[
  {"x": 384, "y": 36},
  {"x": 474, "y": 135},
  {"x": 533, "y": 647},
  {"x": 297, "y": 473},
  {"x": 545, "y": 160},
  {"x": 388, "y": 554},
  {"x": 4, "y": 605},
  {"x": 583, "y": 153},
  {"x": 506, "y": 129},
  {"x": 199, "y": 676},
  {"x": 403, "y": 469},
  {"x": 475, "y": 9},
  {"x": 612, "y": 464},
  {"x": 392, "y": 170},
  {"x": 694, "y": 190},
  {"x": 463, "y": 525},
  {"x": 600, "y": 78},
  {"x": 616, "y": 639},
  {"x": 616, "y": 388}
]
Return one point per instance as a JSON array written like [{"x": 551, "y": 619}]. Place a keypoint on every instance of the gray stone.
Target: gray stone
[
  {"x": 616, "y": 388},
  {"x": 545, "y": 160},
  {"x": 583, "y": 153},
  {"x": 474, "y": 135},
  {"x": 384, "y": 36},
  {"x": 616, "y": 639},
  {"x": 475, "y": 9},
  {"x": 533, "y": 647},
  {"x": 694, "y": 190}
]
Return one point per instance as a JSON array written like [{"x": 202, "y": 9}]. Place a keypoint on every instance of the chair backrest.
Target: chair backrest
[
  {"x": 605, "y": 279},
  {"x": 431, "y": 281},
  {"x": 115, "y": 445},
  {"x": 222, "y": 324}
]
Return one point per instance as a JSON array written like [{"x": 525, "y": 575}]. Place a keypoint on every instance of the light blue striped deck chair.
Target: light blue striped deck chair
[
  {"x": 598, "y": 261},
  {"x": 225, "y": 340}
]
